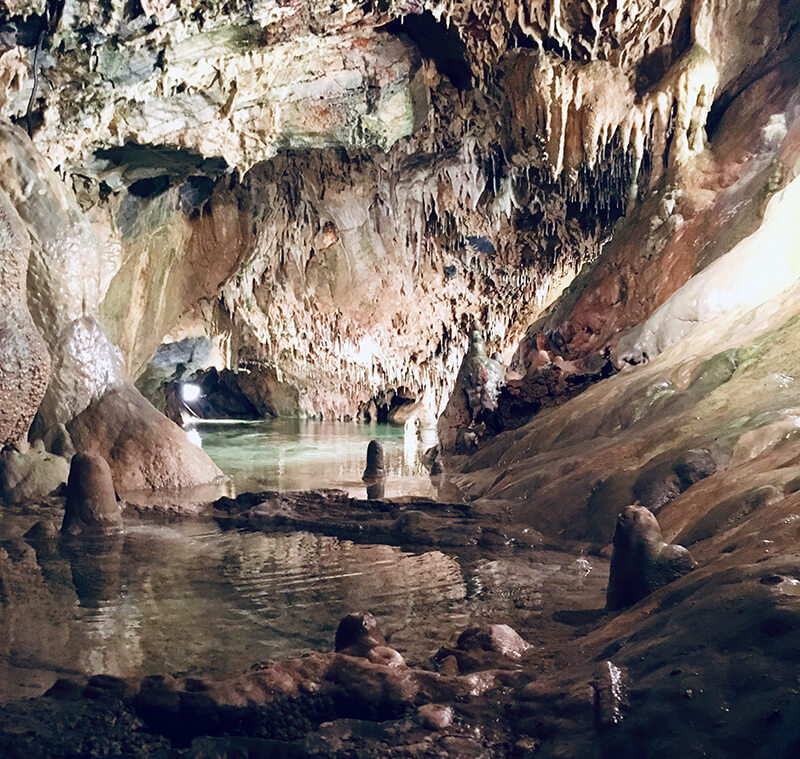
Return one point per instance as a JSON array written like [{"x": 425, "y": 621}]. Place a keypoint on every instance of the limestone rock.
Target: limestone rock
[
  {"x": 68, "y": 273},
  {"x": 375, "y": 468},
  {"x": 642, "y": 562},
  {"x": 204, "y": 89},
  {"x": 30, "y": 475},
  {"x": 91, "y": 501},
  {"x": 487, "y": 646},
  {"x": 435, "y": 716},
  {"x": 57, "y": 441},
  {"x": 477, "y": 387},
  {"x": 24, "y": 360},
  {"x": 500, "y": 639},
  {"x": 358, "y": 635},
  {"x": 143, "y": 448}
]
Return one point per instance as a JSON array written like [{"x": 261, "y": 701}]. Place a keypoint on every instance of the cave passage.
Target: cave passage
[{"x": 304, "y": 454}]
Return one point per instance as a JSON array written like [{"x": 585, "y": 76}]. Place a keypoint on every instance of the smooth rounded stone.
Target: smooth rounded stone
[
  {"x": 145, "y": 450},
  {"x": 91, "y": 501},
  {"x": 641, "y": 561},
  {"x": 375, "y": 468},
  {"x": 500, "y": 639},
  {"x": 669, "y": 477},
  {"x": 694, "y": 465},
  {"x": 31, "y": 475},
  {"x": 358, "y": 635},
  {"x": 435, "y": 716},
  {"x": 358, "y": 629},
  {"x": 485, "y": 647}
]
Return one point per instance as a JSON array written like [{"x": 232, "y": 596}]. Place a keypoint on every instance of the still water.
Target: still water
[
  {"x": 190, "y": 599},
  {"x": 301, "y": 454}
]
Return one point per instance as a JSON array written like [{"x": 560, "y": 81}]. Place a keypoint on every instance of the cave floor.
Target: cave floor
[{"x": 703, "y": 667}]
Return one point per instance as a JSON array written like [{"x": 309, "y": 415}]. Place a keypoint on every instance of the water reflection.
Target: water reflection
[
  {"x": 194, "y": 600},
  {"x": 299, "y": 454}
]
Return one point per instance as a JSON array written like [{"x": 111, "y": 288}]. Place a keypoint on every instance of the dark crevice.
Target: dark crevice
[
  {"x": 438, "y": 43},
  {"x": 151, "y": 187}
]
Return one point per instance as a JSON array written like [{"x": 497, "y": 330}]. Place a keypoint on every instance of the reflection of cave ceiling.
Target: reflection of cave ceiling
[{"x": 341, "y": 188}]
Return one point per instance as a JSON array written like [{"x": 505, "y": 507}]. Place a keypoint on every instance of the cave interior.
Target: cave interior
[{"x": 544, "y": 254}]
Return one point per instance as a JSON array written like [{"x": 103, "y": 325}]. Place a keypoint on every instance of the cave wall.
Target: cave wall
[{"x": 336, "y": 195}]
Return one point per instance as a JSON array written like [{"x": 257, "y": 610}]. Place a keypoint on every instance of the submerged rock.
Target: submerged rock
[
  {"x": 358, "y": 629},
  {"x": 642, "y": 562},
  {"x": 358, "y": 635},
  {"x": 487, "y": 646},
  {"x": 91, "y": 501}
]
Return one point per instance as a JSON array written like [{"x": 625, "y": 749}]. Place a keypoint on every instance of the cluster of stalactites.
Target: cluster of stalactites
[
  {"x": 571, "y": 111},
  {"x": 616, "y": 31}
]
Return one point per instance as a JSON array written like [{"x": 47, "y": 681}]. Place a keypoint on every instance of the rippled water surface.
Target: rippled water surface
[
  {"x": 191, "y": 599},
  {"x": 299, "y": 454}
]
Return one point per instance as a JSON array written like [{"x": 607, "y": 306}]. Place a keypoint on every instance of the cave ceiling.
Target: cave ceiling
[{"x": 338, "y": 189}]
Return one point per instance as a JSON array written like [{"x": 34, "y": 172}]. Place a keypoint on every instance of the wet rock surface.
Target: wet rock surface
[
  {"x": 555, "y": 675},
  {"x": 91, "y": 501},
  {"x": 408, "y": 521},
  {"x": 642, "y": 562}
]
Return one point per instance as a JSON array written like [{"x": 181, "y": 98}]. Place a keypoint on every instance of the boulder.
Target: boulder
[
  {"x": 144, "y": 449},
  {"x": 486, "y": 646},
  {"x": 358, "y": 635},
  {"x": 31, "y": 475}
]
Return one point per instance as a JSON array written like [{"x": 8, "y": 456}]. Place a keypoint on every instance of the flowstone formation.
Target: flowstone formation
[
  {"x": 26, "y": 362},
  {"x": 68, "y": 272}
]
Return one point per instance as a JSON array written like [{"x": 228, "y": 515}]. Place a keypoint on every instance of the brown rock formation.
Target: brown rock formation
[
  {"x": 143, "y": 448},
  {"x": 91, "y": 501},
  {"x": 642, "y": 562}
]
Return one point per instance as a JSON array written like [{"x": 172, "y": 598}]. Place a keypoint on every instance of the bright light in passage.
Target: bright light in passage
[
  {"x": 194, "y": 437},
  {"x": 190, "y": 392}
]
